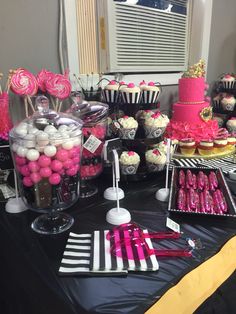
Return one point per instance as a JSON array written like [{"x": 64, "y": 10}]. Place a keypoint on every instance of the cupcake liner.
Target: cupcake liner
[
  {"x": 110, "y": 96},
  {"x": 127, "y": 134},
  {"x": 150, "y": 97},
  {"x": 131, "y": 98},
  {"x": 230, "y": 128},
  {"x": 151, "y": 132},
  {"x": 129, "y": 169},
  {"x": 154, "y": 167},
  {"x": 216, "y": 105},
  {"x": 228, "y": 107},
  {"x": 228, "y": 85}
]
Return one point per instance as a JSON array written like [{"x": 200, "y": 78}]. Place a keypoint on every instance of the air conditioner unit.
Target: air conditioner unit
[{"x": 142, "y": 38}]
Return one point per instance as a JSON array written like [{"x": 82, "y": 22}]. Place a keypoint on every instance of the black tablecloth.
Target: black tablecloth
[{"x": 29, "y": 262}]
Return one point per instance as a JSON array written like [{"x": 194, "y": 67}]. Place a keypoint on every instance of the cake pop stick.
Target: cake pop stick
[
  {"x": 8, "y": 83},
  {"x": 30, "y": 102},
  {"x": 26, "y": 107}
]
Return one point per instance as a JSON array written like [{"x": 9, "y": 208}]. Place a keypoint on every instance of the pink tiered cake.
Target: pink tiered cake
[{"x": 192, "y": 115}]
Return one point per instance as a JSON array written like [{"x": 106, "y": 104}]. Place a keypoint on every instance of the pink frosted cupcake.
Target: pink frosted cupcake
[
  {"x": 110, "y": 92},
  {"x": 128, "y": 127},
  {"x": 130, "y": 94},
  {"x": 228, "y": 81},
  {"x": 150, "y": 93},
  {"x": 228, "y": 102},
  {"x": 129, "y": 162},
  {"x": 155, "y": 125},
  {"x": 155, "y": 160},
  {"x": 231, "y": 125}
]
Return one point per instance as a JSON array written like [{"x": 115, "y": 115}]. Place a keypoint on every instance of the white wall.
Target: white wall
[{"x": 222, "y": 53}]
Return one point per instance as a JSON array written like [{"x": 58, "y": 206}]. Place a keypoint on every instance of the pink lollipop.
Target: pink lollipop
[
  {"x": 42, "y": 77},
  {"x": 24, "y": 83},
  {"x": 58, "y": 86}
]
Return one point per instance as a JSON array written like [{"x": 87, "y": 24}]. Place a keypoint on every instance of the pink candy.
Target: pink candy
[
  {"x": 45, "y": 172},
  {"x": 56, "y": 165},
  {"x": 27, "y": 182},
  {"x": 68, "y": 164},
  {"x": 42, "y": 77},
  {"x": 72, "y": 171},
  {"x": 62, "y": 154},
  {"x": 44, "y": 161},
  {"x": 20, "y": 160},
  {"x": 55, "y": 179},
  {"x": 24, "y": 83},
  {"x": 35, "y": 177},
  {"x": 58, "y": 86},
  {"x": 24, "y": 170},
  {"x": 33, "y": 166}
]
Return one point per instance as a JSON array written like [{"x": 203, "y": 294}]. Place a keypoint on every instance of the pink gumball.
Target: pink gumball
[
  {"x": 45, "y": 172},
  {"x": 68, "y": 163},
  {"x": 62, "y": 172},
  {"x": 72, "y": 171},
  {"x": 62, "y": 154},
  {"x": 20, "y": 160},
  {"x": 55, "y": 179},
  {"x": 27, "y": 182},
  {"x": 73, "y": 152},
  {"x": 24, "y": 170},
  {"x": 76, "y": 160},
  {"x": 44, "y": 161},
  {"x": 33, "y": 166},
  {"x": 35, "y": 177},
  {"x": 56, "y": 165}
]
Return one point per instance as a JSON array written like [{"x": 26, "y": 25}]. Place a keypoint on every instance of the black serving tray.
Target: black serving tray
[{"x": 222, "y": 185}]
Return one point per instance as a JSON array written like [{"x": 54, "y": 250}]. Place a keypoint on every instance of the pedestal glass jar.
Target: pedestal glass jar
[
  {"x": 94, "y": 116},
  {"x": 46, "y": 150}
]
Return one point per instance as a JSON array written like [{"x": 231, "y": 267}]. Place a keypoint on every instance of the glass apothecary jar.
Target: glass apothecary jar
[{"x": 46, "y": 150}]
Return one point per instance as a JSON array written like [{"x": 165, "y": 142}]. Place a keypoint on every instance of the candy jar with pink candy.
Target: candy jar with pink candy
[
  {"x": 46, "y": 150},
  {"x": 94, "y": 116}
]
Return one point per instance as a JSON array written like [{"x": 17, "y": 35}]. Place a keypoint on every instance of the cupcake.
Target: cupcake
[
  {"x": 155, "y": 160},
  {"x": 228, "y": 81},
  {"x": 231, "y": 141},
  {"x": 220, "y": 144},
  {"x": 130, "y": 94},
  {"x": 231, "y": 124},
  {"x": 110, "y": 92},
  {"x": 228, "y": 102},
  {"x": 128, "y": 127},
  {"x": 150, "y": 93},
  {"x": 162, "y": 147},
  {"x": 155, "y": 125},
  {"x": 187, "y": 146},
  {"x": 129, "y": 162},
  {"x": 205, "y": 147},
  {"x": 142, "y": 115}
]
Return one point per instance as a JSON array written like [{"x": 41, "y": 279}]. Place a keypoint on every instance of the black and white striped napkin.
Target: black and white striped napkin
[
  {"x": 225, "y": 163},
  {"x": 102, "y": 258},
  {"x": 89, "y": 254}
]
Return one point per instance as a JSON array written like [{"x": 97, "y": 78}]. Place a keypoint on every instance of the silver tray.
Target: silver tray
[{"x": 222, "y": 185}]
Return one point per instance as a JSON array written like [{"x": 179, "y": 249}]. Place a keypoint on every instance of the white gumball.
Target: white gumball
[
  {"x": 33, "y": 130},
  {"x": 42, "y": 138},
  {"x": 50, "y": 150},
  {"x": 22, "y": 151},
  {"x": 50, "y": 129},
  {"x": 56, "y": 139},
  {"x": 40, "y": 148},
  {"x": 63, "y": 128},
  {"x": 14, "y": 147},
  {"x": 29, "y": 141},
  {"x": 76, "y": 133},
  {"x": 32, "y": 155},
  {"x": 68, "y": 144},
  {"x": 65, "y": 135},
  {"x": 20, "y": 130}
]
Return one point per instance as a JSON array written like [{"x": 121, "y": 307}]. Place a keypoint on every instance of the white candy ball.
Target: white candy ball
[
  {"x": 29, "y": 141},
  {"x": 67, "y": 144},
  {"x": 76, "y": 141},
  {"x": 50, "y": 150},
  {"x": 42, "y": 138},
  {"x": 40, "y": 148},
  {"x": 14, "y": 147},
  {"x": 33, "y": 130},
  {"x": 65, "y": 135},
  {"x": 21, "y": 131},
  {"x": 63, "y": 128},
  {"x": 22, "y": 151},
  {"x": 32, "y": 154},
  {"x": 50, "y": 129},
  {"x": 56, "y": 139}
]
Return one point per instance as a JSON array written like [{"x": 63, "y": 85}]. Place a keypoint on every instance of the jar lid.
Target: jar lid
[
  {"x": 91, "y": 113},
  {"x": 57, "y": 125}
]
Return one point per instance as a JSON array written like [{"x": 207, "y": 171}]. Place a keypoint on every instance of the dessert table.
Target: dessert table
[{"x": 204, "y": 283}]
